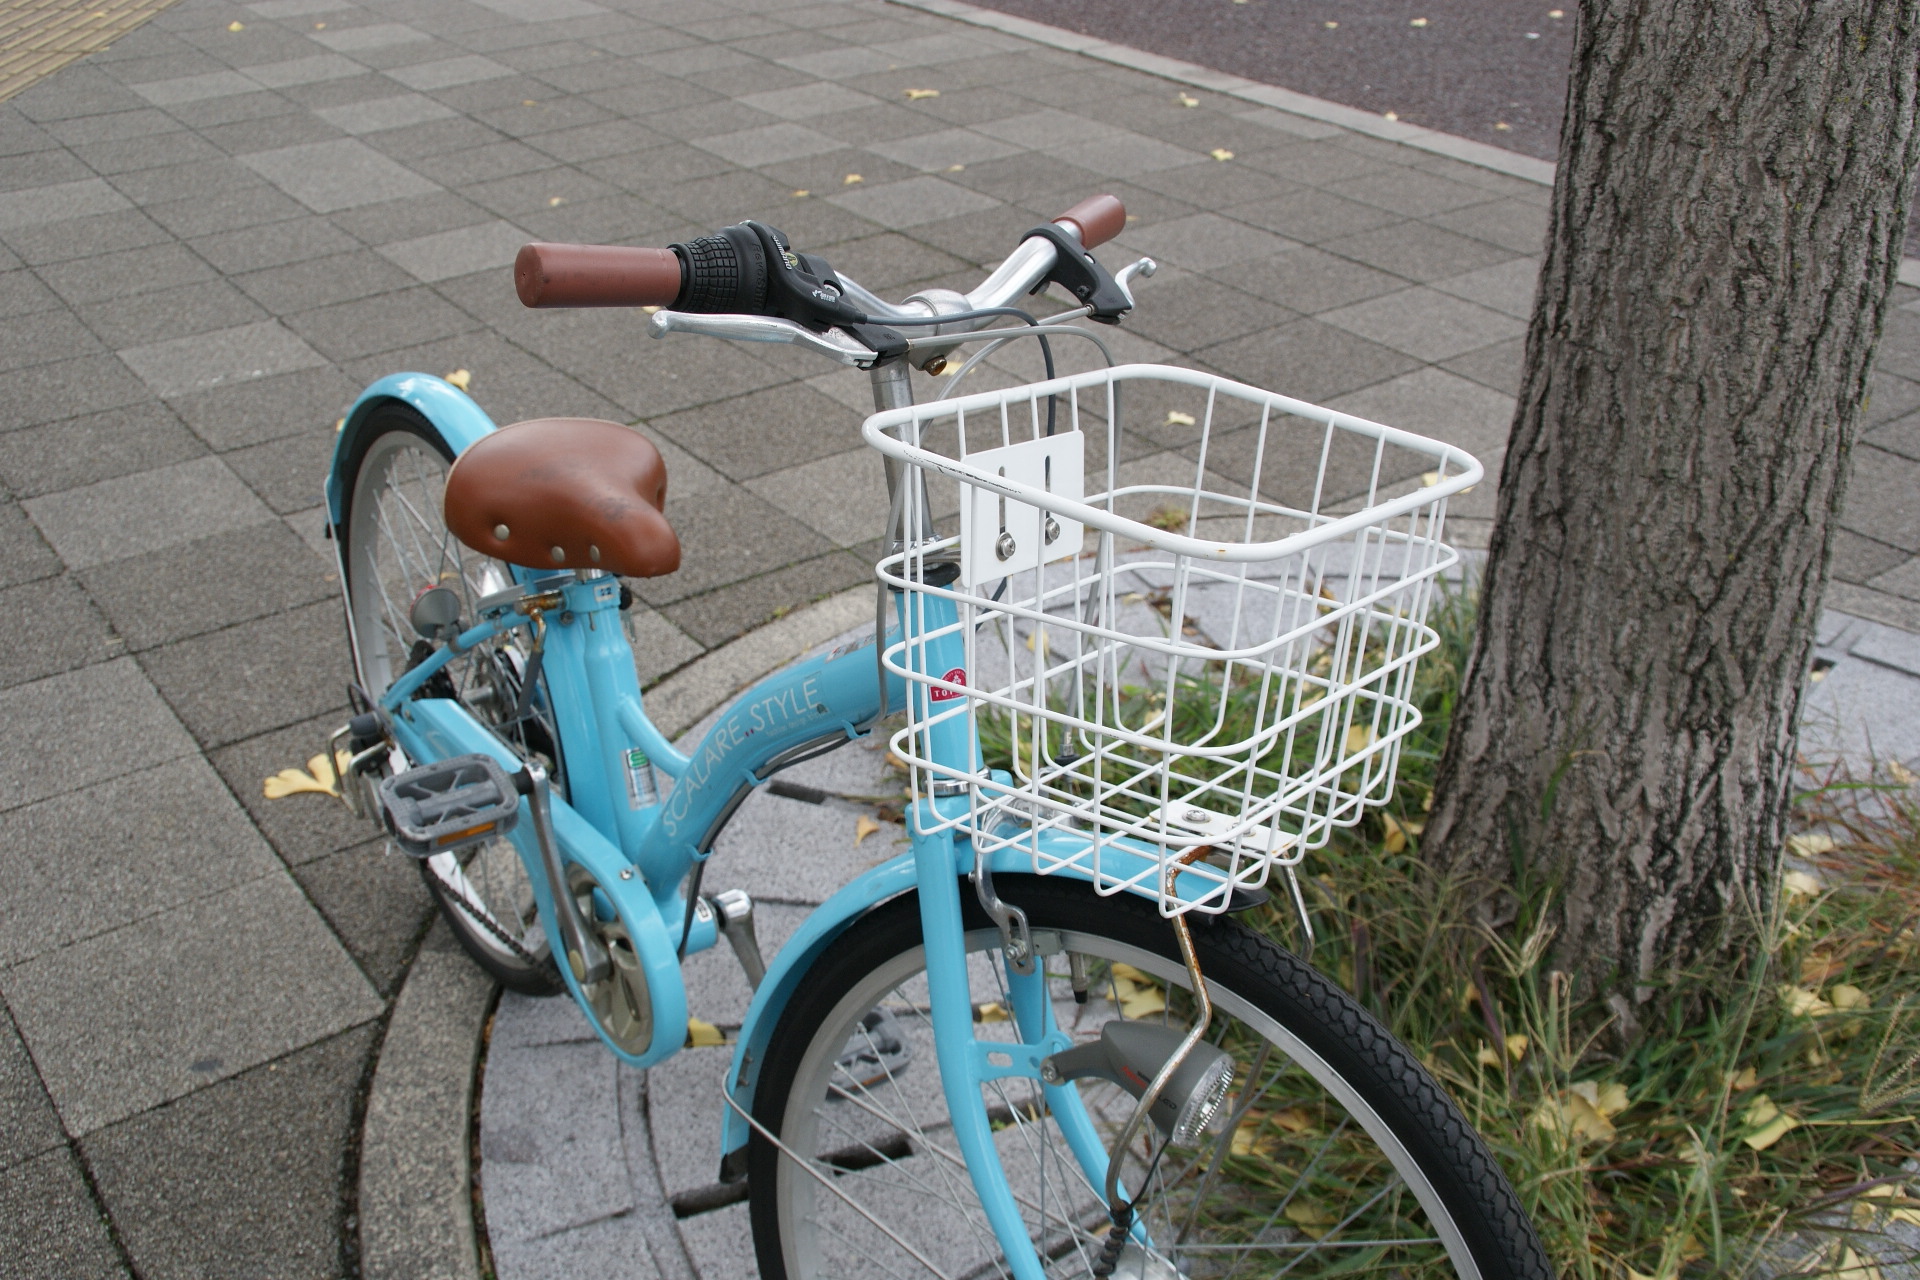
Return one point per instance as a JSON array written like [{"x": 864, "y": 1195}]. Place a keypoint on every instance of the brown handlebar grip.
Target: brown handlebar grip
[
  {"x": 1100, "y": 219},
  {"x": 596, "y": 275}
]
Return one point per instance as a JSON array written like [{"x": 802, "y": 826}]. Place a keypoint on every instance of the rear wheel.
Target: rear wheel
[
  {"x": 395, "y": 544},
  {"x": 1341, "y": 1155}
]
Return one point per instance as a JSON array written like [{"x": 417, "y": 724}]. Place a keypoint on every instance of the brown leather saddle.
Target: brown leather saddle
[{"x": 565, "y": 493}]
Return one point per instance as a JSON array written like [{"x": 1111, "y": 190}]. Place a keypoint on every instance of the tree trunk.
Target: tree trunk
[{"x": 1727, "y": 227}]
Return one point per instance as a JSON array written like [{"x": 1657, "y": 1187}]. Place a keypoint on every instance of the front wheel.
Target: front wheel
[{"x": 1339, "y": 1153}]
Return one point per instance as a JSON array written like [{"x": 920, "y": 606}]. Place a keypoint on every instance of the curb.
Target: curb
[
  {"x": 416, "y": 1191},
  {"x": 1481, "y": 154}
]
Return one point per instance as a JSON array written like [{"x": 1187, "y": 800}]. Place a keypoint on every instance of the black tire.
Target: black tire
[
  {"x": 397, "y": 439},
  {"x": 1441, "y": 1149}
]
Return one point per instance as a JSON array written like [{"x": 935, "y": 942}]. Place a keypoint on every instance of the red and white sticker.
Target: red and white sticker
[{"x": 956, "y": 676}]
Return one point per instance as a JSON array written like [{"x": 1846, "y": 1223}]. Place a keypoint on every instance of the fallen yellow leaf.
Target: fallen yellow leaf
[
  {"x": 460, "y": 378},
  {"x": 1798, "y": 884},
  {"x": 851, "y": 179},
  {"x": 703, "y": 1035},
  {"x": 1391, "y": 115},
  {"x": 1294, "y": 1120},
  {"x": 914, "y": 95},
  {"x": 1900, "y": 773},
  {"x": 1221, "y": 153},
  {"x": 236, "y": 26},
  {"x": 1186, "y": 100},
  {"x": 1768, "y": 1122},
  {"x": 1804, "y": 1003},
  {"x": 802, "y": 194},
  {"x": 1312, "y": 1220},
  {"x": 1248, "y": 1140},
  {"x": 1487, "y": 1056},
  {"x": 1140, "y": 996},
  {"x": 1847, "y": 998},
  {"x": 1585, "y": 1110},
  {"x": 1359, "y": 738},
  {"x": 554, "y": 202},
  {"x": 1747, "y": 1078},
  {"x": 863, "y": 828},
  {"x": 1810, "y": 844},
  {"x": 1851, "y": 1265},
  {"x": 318, "y": 779},
  {"x": 1517, "y": 1047},
  {"x": 1175, "y": 418},
  {"x": 992, "y": 1011},
  {"x": 1417, "y": 22}
]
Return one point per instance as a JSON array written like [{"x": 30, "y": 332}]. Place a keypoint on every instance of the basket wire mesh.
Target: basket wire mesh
[{"x": 1208, "y": 661}]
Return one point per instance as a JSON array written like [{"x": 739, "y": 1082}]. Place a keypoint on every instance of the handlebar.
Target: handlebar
[{"x": 729, "y": 272}]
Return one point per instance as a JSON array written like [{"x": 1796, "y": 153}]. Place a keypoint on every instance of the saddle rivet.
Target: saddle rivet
[
  {"x": 559, "y": 554},
  {"x": 501, "y": 531},
  {"x": 594, "y": 553}
]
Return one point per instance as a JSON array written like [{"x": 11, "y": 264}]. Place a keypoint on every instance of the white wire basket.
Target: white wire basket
[{"x": 1184, "y": 634}]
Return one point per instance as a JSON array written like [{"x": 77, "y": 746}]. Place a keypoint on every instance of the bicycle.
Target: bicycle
[{"x": 1039, "y": 1043}]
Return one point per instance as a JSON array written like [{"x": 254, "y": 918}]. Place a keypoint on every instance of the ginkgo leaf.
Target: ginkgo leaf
[
  {"x": 1294, "y": 1120},
  {"x": 992, "y": 1011},
  {"x": 1312, "y": 1220},
  {"x": 1248, "y": 1140},
  {"x": 1139, "y": 995},
  {"x": 1175, "y": 418},
  {"x": 851, "y": 179},
  {"x": 703, "y": 1035},
  {"x": 1517, "y": 1047},
  {"x": 318, "y": 779},
  {"x": 802, "y": 194},
  {"x": 236, "y": 26},
  {"x": 1187, "y": 100},
  {"x": 1745, "y": 1080},
  {"x": 1804, "y": 1003},
  {"x": 863, "y": 828},
  {"x": 1221, "y": 153},
  {"x": 1798, "y": 884},
  {"x": 1359, "y": 738},
  {"x": 1487, "y": 1056},
  {"x": 914, "y": 95},
  {"x": 1847, "y": 998},
  {"x": 1810, "y": 844},
  {"x": 1768, "y": 1122},
  {"x": 460, "y": 378}
]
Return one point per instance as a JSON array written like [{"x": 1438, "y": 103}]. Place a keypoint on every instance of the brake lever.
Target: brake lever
[
  {"x": 1143, "y": 267},
  {"x": 836, "y": 344}
]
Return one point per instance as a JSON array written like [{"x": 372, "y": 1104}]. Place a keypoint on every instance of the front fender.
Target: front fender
[
  {"x": 452, "y": 412},
  {"x": 832, "y": 918}
]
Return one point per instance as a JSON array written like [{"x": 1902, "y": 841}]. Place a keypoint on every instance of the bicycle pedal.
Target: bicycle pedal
[{"x": 449, "y": 805}]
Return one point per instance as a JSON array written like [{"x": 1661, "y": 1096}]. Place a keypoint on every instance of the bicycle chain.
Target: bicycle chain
[{"x": 485, "y": 921}]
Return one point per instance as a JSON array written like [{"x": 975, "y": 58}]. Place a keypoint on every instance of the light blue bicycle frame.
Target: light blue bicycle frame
[{"x": 640, "y": 858}]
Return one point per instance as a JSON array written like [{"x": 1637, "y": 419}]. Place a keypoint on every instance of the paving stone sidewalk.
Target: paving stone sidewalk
[{"x": 215, "y": 231}]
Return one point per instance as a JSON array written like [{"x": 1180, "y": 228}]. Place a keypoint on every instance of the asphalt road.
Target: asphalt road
[{"x": 1491, "y": 70}]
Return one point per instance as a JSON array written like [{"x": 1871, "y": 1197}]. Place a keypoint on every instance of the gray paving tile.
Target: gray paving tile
[
  {"x": 184, "y": 998},
  {"x": 49, "y": 627},
  {"x": 52, "y": 1230},
  {"x": 385, "y": 323},
  {"x": 379, "y": 35},
  {"x": 538, "y": 1086},
  {"x": 1498, "y": 366},
  {"x": 301, "y": 828},
  {"x": 213, "y": 84},
  {"x": 288, "y": 473},
  {"x": 183, "y": 366},
  {"x": 1048, "y": 128},
  {"x": 1862, "y": 559},
  {"x": 82, "y": 91},
  {"x": 133, "y": 514},
  {"x": 130, "y": 154},
  {"x": 1408, "y": 192},
  {"x": 88, "y": 862},
  {"x": 250, "y": 412},
  {"x": 1205, "y": 242},
  {"x": 446, "y": 254},
  {"x": 767, "y": 143},
  {"x": 48, "y": 335},
  {"x": 231, "y": 577},
  {"x": 28, "y": 1124},
  {"x": 58, "y": 203},
  {"x": 445, "y": 73},
  {"x": 277, "y": 10},
  {"x": 21, "y": 293},
  {"x": 326, "y": 176},
  {"x": 82, "y": 237},
  {"x": 268, "y": 133},
  {"x": 1306, "y": 359},
  {"x": 40, "y": 169},
  {"x": 376, "y": 114},
  {"x": 1189, "y": 312},
  {"x": 95, "y": 723},
  {"x": 1901, "y": 436},
  {"x": 24, "y": 554},
  {"x": 937, "y": 151},
  {"x": 1899, "y": 351},
  {"x": 1888, "y": 397},
  {"x": 1426, "y": 323},
  {"x": 470, "y": 165},
  {"x": 1417, "y": 251},
  {"x": 541, "y": 10},
  {"x": 1507, "y": 287},
  {"x": 232, "y": 684},
  {"x": 313, "y": 69},
  {"x": 66, "y": 389},
  {"x": 1880, "y": 497},
  {"x": 1518, "y": 225},
  {"x": 714, "y": 617},
  {"x": 912, "y": 202},
  {"x": 1441, "y": 406},
  {"x": 118, "y": 275},
  {"x": 762, "y": 432},
  {"x": 224, "y": 210},
  {"x": 595, "y": 141},
  {"x": 190, "y": 309},
  {"x": 279, "y": 1131},
  {"x": 144, "y": 122},
  {"x": 1124, "y": 155},
  {"x": 375, "y": 901},
  {"x": 804, "y": 102},
  {"x": 842, "y": 496},
  {"x": 273, "y": 245}
]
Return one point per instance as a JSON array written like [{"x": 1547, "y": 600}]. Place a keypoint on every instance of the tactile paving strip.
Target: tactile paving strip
[{"x": 38, "y": 37}]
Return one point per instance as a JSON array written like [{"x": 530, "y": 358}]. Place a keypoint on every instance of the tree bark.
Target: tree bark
[{"x": 1727, "y": 227}]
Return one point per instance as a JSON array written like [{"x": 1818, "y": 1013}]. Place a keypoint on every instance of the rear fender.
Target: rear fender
[{"x": 452, "y": 412}]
